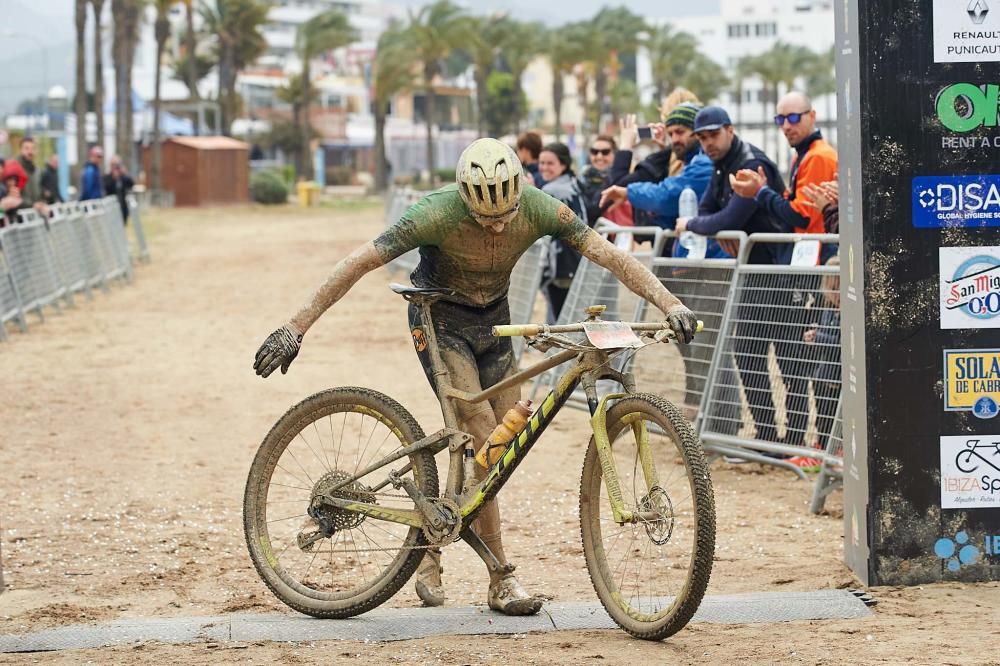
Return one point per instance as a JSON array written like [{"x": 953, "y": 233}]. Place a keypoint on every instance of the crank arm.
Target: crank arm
[
  {"x": 424, "y": 506},
  {"x": 401, "y": 516}
]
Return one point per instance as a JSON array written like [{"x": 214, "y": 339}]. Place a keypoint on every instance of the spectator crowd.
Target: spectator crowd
[
  {"x": 738, "y": 187},
  {"x": 25, "y": 186}
]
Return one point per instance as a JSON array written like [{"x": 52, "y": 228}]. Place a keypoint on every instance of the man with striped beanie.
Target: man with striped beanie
[{"x": 663, "y": 198}]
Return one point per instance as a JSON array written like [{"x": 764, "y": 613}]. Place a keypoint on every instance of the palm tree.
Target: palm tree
[
  {"x": 783, "y": 64},
  {"x": 191, "y": 49},
  {"x": 127, "y": 14},
  {"x": 238, "y": 43},
  {"x": 484, "y": 48},
  {"x": 326, "y": 31},
  {"x": 161, "y": 31},
  {"x": 182, "y": 67},
  {"x": 615, "y": 31},
  {"x": 522, "y": 42},
  {"x": 434, "y": 31},
  {"x": 821, "y": 79},
  {"x": 291, "y": 93},
  {"x": 705, "y": 78},
  {"x": 394, "y": 73},
  {"x": 564, "y": 53},
  {"x": 670, "y": 55},
  {"x": 99, "y": 69},
  {"x": 80, "y": 101},
  {"x": 745, "y": 68}
]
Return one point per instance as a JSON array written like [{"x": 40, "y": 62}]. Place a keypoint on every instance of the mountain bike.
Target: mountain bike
[{"x": 343, "y": 499}]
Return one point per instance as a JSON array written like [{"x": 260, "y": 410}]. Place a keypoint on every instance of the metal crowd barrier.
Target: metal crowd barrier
[
  {"x": 46, "y": 261},
  {"x": 775, "y": 379},
  {"x": 595, "y": 285},
  {"x": 756, "y": 386}
]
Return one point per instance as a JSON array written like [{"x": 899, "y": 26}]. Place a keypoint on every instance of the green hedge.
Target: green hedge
[{"x": 268, "y": 187}]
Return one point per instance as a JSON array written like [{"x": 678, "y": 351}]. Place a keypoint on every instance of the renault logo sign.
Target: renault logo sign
[{"x": 978, "y": 9}]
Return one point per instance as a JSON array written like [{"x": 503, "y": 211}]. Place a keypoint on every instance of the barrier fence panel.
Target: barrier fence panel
[
  {"x": 594, "y": 285},
  {"x": 113, "y": 226},
  {"x": 680, "y": 372},
  {"x": 69, "y": 255},
  {"x": 781, "y": 333},
  {"x": 831, "y": 473},
  {"x": 96, "y": 220},
  {"x": 79, "y": 246},
  {"x": 523, "y": 292},
  {"x": 11, "y": 307},
  {"x": 32, "y": 264}
]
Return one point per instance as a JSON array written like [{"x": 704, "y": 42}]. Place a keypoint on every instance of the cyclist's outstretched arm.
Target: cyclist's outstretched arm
[
  {"x": 282, "y": 346},
  {"x": 640, "y": 280}
]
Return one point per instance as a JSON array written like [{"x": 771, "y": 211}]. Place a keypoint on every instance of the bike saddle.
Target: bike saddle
[{"x": 420, "y": 293}]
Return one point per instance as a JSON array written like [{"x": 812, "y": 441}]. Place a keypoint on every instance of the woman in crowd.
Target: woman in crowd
[
  {"x": 555, "y": 165},
  {"x": 596, "y": 177}
]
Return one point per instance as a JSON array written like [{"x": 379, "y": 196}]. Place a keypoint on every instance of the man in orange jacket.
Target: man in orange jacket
[{"x": 815, "y": 163}]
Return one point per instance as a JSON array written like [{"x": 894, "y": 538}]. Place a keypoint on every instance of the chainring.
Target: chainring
[{"x": 452, "y": 515}]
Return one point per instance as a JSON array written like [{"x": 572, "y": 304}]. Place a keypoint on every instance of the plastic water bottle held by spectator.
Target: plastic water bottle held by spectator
[
  {"x": 688, "y": 207},
  {"x": 513, "y": 421}
]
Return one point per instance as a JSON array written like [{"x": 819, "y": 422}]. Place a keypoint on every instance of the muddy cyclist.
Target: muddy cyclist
[{"x": 470, "y": 235}]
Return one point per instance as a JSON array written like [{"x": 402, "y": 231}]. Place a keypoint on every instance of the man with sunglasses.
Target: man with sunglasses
[
  {"x": 815, "y": 163},
  {"x": 471, "y": 234}
]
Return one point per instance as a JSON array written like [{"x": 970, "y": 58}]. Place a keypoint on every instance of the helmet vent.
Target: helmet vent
[
  {"x": 505, "y": 189},
  {"x": 493, "y": 193}
]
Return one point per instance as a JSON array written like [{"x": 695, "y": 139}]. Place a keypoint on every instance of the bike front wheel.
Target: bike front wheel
[
  {"x": 330, "y": 562},
  {"x": 651, "y": 574}
]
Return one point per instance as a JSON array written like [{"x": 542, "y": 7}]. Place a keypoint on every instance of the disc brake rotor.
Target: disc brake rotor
[{"x": 662, "y": 528}]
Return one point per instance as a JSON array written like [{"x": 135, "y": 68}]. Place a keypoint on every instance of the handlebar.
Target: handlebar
[{"x": 531, "y": 330}]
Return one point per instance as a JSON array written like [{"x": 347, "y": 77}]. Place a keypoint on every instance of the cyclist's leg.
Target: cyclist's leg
[{"x": 456, "y": 328}]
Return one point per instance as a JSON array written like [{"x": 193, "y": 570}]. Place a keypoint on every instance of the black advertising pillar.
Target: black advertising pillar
[{"x": 919, "y": 141}]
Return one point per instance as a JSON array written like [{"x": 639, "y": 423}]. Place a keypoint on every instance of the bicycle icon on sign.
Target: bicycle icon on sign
[{"x": 967, "y": 456}]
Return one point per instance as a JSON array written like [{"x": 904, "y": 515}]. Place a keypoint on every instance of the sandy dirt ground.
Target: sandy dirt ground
[{"x": 130, "y": 421}]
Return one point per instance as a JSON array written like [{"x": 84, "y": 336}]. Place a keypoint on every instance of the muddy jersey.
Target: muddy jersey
[{"x": 457, "y": 253}]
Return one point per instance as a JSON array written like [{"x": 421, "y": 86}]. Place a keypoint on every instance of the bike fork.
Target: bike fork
[{"x": 599, "y": 423}]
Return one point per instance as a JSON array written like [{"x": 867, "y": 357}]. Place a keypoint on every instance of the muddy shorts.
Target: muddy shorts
[{"x": 466, "y": 341}]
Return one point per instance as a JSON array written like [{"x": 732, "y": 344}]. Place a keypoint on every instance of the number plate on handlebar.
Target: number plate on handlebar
[{"x": 611, "y": 335}]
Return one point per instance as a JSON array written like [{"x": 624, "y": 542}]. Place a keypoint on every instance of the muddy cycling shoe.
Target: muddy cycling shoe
[
  {"x": 428, "y": 586},
  {"x": 508, "y": 597}
]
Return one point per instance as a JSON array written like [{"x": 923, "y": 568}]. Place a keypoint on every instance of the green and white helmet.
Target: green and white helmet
[{"x": 489, "y": 178}]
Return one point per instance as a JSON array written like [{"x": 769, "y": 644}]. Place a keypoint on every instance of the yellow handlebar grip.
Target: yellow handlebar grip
[{"x": 514, "y": 330}]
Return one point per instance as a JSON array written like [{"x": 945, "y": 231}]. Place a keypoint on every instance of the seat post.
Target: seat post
[{"x": 442, "y": 378}]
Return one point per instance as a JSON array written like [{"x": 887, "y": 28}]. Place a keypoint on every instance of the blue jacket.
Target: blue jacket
[
  {"x": 721, "y": 210},
  {"x": 663, "y": 198},
  {"x": 91, "y": 184}
]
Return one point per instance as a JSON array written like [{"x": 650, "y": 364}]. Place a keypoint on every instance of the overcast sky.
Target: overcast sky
[{"x": 551, "y": 11}]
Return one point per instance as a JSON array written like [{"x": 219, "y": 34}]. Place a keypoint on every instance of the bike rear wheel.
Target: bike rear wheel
[
  {"x": 318, "y": 443},
  {"x": 649, "y": 575}
]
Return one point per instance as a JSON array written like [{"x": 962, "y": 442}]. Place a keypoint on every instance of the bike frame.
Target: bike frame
[{"x": 591, "y": 366}]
